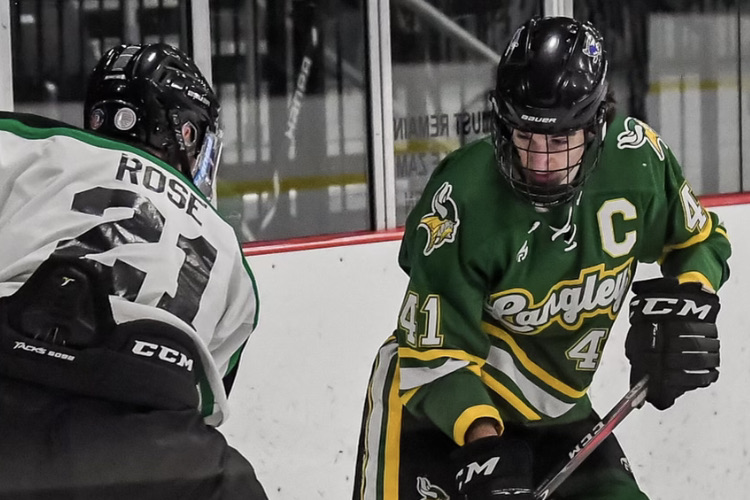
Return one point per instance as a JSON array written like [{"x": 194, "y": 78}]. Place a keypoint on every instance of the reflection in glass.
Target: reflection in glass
[
  {"x": 57, "y": 43},
  {"x": 675, "y": 64},
  {"x": 291, "y": 79},
  {"x": 444, "y": 56},
  {"x": 292, "y": 82}
]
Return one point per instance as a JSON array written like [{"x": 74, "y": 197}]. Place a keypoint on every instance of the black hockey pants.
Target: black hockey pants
[{"x": 54, "y": 445}]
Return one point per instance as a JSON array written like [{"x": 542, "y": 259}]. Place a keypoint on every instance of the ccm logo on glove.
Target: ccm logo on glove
[
  {"x": 654, "y": 306},
  {"x": 467, "y": 474},
  {"x": 494, "y": 467}
]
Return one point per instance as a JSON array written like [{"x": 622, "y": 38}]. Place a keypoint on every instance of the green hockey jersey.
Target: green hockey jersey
[{"x": 508, "y": 306}]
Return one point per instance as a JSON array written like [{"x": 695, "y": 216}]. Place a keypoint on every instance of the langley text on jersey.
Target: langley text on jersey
[{"x": 596, "y": 291}]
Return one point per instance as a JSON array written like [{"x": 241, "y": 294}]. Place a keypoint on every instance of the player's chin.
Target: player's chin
[{"x": 546, "y": 180}]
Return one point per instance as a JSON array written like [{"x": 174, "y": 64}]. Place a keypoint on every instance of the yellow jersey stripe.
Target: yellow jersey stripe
[
  {"x": 405, "y": 397},
  {"x": 532, "y": 367},
  {"x": 392, "y": 441},
  {"x": 511, "y": 398},
  {"x": 432, "y": 354}
]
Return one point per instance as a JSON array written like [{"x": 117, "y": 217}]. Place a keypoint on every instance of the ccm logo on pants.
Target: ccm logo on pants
[{"x": 164, "y": 353}]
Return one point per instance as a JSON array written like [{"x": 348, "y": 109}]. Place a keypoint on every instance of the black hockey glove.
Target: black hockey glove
[
  {"x": 494, "y": 468},
  {"x": 672, "y": 338}
]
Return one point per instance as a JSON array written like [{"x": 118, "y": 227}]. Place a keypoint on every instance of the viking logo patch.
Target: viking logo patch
[
  {"x": 636, "y": 134},
  {"x": 442, "y": 223}
]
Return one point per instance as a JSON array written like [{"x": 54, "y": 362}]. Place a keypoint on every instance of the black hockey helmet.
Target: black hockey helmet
[
  {"x": 551, "y": 80},
  {"x": 154, "y": 96}
]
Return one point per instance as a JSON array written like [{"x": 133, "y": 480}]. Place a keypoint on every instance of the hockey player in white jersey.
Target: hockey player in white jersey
[{"x": 125, "y": 300}]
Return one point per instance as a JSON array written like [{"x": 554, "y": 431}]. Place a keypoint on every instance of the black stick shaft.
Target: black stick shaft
[{"x": 632, "y": 400}]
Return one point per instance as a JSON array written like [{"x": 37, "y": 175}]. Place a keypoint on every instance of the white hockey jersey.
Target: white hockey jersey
[{"x": 173, "y": 258}]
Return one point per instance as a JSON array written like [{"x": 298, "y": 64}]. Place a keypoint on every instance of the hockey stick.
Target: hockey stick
[
  {"x": 294, "y": 108},
  {"x": 632, "y": 400}
]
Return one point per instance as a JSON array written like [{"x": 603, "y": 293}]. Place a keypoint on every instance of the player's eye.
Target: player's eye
[
  {"x": 521, "y": 137},
  {"x": 559, "y": 137}
]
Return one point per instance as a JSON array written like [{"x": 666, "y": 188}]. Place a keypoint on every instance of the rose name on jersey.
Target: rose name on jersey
[
  {"x": 153, "y": 178},
  {"x": 595, "y": 291}
]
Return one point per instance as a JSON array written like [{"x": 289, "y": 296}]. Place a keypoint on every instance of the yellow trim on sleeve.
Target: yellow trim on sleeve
[
  {"x": 469, "y": 415},
  {"x": 705, "y": 232},
  {"x": 432, "y": 354},
  {"x": 511, "y": 398},
  {"x": 535, "y": 369},
  {"x": 473, "y": 367},
  {"x": 722, "y": 232},
  {"x": 695, "y": 277}
]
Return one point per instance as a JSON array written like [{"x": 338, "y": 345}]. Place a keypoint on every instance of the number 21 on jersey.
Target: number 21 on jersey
[{"x": 144, "y": 224}]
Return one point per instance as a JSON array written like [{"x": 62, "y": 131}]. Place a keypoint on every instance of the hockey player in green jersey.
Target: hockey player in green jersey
[{"x": 520, "y": 253}]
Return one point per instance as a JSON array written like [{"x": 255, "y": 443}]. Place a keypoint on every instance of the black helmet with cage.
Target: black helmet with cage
[
  {"x": 155, "y": 97},
  {"x": 551, "y": 80}
]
